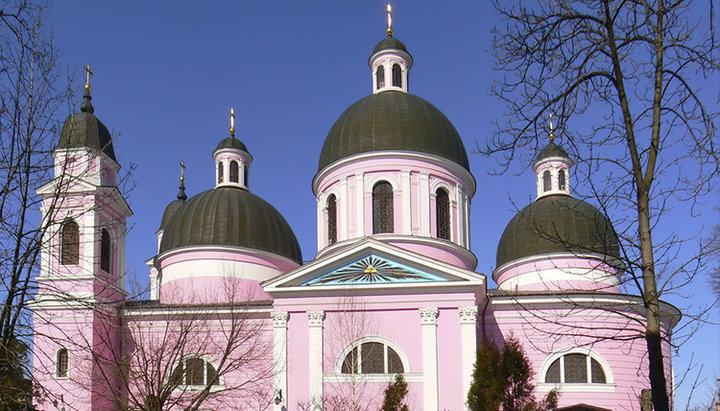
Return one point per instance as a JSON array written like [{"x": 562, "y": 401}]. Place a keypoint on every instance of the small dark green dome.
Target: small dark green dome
[
  {"x": 390, "y": 43},
  {"x": 558, "y": 223},
  {"x": 552, "y": 150},
  {"x": 393, "y": 120},
  {"x": 232, "y": 142},
  {"x": 85, "y": 130},
  {"x": 230, "y": 216}
]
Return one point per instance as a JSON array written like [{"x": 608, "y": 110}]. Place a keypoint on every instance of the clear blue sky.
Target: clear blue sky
[{"x": 167, "y": 73}]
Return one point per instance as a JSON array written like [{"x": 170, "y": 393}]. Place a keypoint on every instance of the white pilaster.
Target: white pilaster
[
  {"x": 468, "y": 321},
  {"x": 406, "y": 210},
  {"x": 315, "y": 358},
  {"x": 342, "y": 210},
  {"x": 424, "y": 205},
  {"x": 280, "y": 359},
  {"x": 428, "y": 321},
  {"x": 359, "y": 205},
  {"x": 321, "y": 239}
]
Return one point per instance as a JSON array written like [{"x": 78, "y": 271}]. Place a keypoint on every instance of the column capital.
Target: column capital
[
  {"x": 279, "y": 318},
  {"x": 428, "y": 315},
  {"x": 468, "y": 315},
  {"x": 315, "y": 318}
]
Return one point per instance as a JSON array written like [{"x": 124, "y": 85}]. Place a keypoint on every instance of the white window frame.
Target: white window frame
[
  {"x": 206, "y": 359},
  {"x": 608, "y": 386}
]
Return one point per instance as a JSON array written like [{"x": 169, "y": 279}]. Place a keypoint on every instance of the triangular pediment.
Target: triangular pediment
[{"x": 373, "y": 264}]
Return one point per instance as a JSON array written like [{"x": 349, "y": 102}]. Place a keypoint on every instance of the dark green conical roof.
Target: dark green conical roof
[
  {"x": 557, "y": 223},
  {"x": 230, "y": 216},
  {"x": 85, "y": 130},
  {"x": 393, "y": 120}
]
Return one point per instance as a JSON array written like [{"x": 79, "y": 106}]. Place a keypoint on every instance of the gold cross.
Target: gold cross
[
  {"x": 182, "y": 171},
  {"x": 552, "y": 135},
  {"x": 389, "y": 18},
  {"x": 232, "y": 122},
  {"x": 88, "y": 73}
]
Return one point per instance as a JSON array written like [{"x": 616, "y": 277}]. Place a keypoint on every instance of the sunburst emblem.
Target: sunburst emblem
[{"x": 370, "y": 270}]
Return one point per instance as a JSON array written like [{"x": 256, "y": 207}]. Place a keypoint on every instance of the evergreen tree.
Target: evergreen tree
[
  {"x": 395, "y": 395},
  {"x": 501, "y": 380}
]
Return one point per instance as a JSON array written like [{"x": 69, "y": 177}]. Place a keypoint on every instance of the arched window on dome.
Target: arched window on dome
[
  {"x": 69, "y": 243},
  {"x": 575, "y": 368},
  {"x": 442, "y": 213},
  {"x": 245, "y": 176},
  {"x": 547, "y": 183},
  {"x": 372, "y": 357},
  {"x": 382, "y": 198},
  {"x": 561, "y": 180},
  {"x": 105, "y": 248},
  {"x": 195, "y": 371},
  {"x": 220, "y": 172},
  {"x": 62, "y": 363},
  {"x": 380, "y": 77},
  {"x": 332, "y": 219},
  {"x": 397, "y": 75},
  {"x": 234, "y": 170}
]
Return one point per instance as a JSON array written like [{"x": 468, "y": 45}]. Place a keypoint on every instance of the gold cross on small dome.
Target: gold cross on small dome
[{"x": 88, "y": 73}]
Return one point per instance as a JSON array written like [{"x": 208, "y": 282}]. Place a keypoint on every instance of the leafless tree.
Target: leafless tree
[{"x": 634, "y": 71}]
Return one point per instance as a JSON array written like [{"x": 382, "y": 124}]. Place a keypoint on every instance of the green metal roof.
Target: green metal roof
[
  {"x": 230, "y": 216},
  {"x": 232, "y": 142},
  {"x": 85, "y": 130},
  {"x": 558, "y": 223},
  {"x": 393, "y": 120},
  {"x": 552, "y": 150},
  {"x": 390, "y": 43}
]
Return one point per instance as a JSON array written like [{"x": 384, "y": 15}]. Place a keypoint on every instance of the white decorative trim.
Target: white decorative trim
[
  {"x": 371, "y": 378},
  {"x": 428, "y": 315},
  {"x": 55, "y": 364},
  {"x": 379, "y": 339},
  {"x": 468, "y": 315},
  {"x": 315, "y": 318},
  {"x": 279, "y": 318},
  {"x": 315, "y": 358},
  {"x": 609, "y": 378}
]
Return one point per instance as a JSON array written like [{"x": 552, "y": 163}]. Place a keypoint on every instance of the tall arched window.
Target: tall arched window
[
  {"x": 105, "y": 247},
  {"x": 382, "y": 198},
  {"x": 234, "y": 171},
  {"x": 547, "y": 184},
  {"x": 372, "y": 358},
  {"x": 561, "y": 179},
  {"x": 575, "y": 368},
  {"x": 245, "y": 176},
  {"x": 397, "y": 75},
  {"x": 61, "y": 363},
  {"x": 442, "y": 213},
  {"x": 332, "y": 219},
  {"x": 380, "y": 77},
  {"x": 69, "y": 243},
  {"x": 195, "y": 370},
  {"x": 221, "y": 178}
]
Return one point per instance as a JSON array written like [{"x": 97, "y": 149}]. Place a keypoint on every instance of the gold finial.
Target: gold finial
[
  {"x": 88, "y": 73},
  {"x": 182, "y": 171},
  {"x": 232, "y": 123},
  {"x": 552, "y": 135},
  {"x": 389, "y": 18}
]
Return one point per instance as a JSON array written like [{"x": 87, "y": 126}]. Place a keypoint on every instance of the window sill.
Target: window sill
[
  {"x": 384, "y": 378},
  {"x": 195, "y": 388},
  {"x": 567, "y": 387}
]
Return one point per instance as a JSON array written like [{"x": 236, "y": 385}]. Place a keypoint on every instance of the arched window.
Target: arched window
[
  {"x": 105, "y": 259},
  {"x": 332, "y": 219},
  {"x": 234, "y": 170},
  {"x": 575, "y": 368},
  {"x": 69, "y": 243},
  {"x": 442, "y": 213},
  {"x": 195, "y": 370},
  {"x": 547, "y": 184},
  {"x": 561, "y": 180},
  {"x": 382, "y": 198},
  {"x": 397, "y": 75},
  {"x": 61, "y": 363},
  {"x": 221, "y": 178},
  {"x": 380, "y": 77},
  {"x": 245, "y": 176},
  {"x": 372, "y": 358}
]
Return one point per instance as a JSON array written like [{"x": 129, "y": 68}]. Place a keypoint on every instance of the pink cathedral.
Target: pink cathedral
[{"x": 236, "y": 320}]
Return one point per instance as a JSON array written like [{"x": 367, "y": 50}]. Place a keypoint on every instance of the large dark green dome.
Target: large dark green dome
[
  {"x": 558, "y": 223},
  {"x": 230, "y": 216},
  {"x": 393, "y": 120}
]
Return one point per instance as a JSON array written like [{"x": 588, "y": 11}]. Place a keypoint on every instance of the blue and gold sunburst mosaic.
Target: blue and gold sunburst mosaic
[{"x": 373, "y": 270}]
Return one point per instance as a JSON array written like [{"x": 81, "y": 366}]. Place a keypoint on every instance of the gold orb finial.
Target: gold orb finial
[
  {"x": 232, "y": 123},
  {"x": 389, "y": 20},
  {"x": 88, "y": 73}
]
